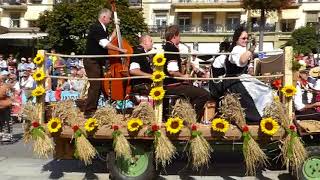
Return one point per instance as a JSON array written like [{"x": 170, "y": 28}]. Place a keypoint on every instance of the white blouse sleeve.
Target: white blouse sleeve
[
  {"x": 298, "y": 99},
  {"x": 236, "y": 53},
  {"x": 134, "y": 65}
]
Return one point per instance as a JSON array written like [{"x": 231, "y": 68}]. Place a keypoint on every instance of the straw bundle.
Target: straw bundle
[
  {"x": 200, "y": 150},
  {"x": 164, "y": 149},
  {"x": 42, "y": 145},
  {"x": 84, "y": 149},
  {"x": 231, "y": 108},
  {"x": 184, "y": 110},
  {"x": 105, "y": 116},
  {"x": 293, "y": 152},
  {"x": 253, "y": 156},
  {"x": 121, "y": 146},
  {"x": 64, "y": 110},
  {"x": 31, "y": 113},
  {"x": 145, "y": 112}
]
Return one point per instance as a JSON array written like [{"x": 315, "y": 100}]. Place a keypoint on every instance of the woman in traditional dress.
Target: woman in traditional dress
[{"x": 254, "y": 95}]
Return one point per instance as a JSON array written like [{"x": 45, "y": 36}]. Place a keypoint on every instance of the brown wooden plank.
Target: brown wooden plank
[{"x": 232, "y": 134}]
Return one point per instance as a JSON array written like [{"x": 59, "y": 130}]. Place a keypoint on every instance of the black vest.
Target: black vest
[
  {"x": 170, "y": 47},
  {"x": 144, "y": 63}
]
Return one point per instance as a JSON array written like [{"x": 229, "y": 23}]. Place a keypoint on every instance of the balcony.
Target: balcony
[
  {"x": 209, "y": 29},
  {"x": 13, "y": 4},
  {"x": 201, "y": 3}
]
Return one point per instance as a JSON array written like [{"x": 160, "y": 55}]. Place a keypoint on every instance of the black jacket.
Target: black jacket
[{"x": 96, "y": 33}]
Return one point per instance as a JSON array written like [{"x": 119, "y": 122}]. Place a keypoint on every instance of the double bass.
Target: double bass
[{"x": 118, "y": 67}]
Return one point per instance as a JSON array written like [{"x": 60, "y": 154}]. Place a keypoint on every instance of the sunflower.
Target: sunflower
[
  {"x": 159, "y": 60},
  {"x": 38, "y": 75},
  {"x": 38, "y": 91},
  {"x": 158, "y": 76},
  {"x": 157, "y": 93},
  {"x": 269, "y": 126},
  {"x": 134, "y": 124},
  {"x": 90, "y": 124},
  {"x": 289, "y": 90},
  {"x": 220, "y": 125},
  {"x": 38, "y": 59},
  {"x": 174, "y": 125},
  {"x": 54, "y": 125}
]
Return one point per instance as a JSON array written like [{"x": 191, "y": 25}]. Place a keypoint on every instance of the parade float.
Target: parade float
[{"x": 140, "y": 143}]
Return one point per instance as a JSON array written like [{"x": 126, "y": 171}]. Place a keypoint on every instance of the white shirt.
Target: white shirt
[
  {"x": 3, "y": 64},
  {"x": 28, "y": 83},
  {"x": 219, "y": 62},
  {"x": 298, "y": 104},
  {"x": 236, "y": 53}
]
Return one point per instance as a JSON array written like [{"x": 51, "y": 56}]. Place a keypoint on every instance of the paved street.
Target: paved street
[{"x": 18, "y": 163}]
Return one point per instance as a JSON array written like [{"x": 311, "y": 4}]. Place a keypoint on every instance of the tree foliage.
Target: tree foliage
[
  {"x": 304, "y": 40},
  {"x": 265, "y": 6},
  {"x": 67, "y": 24}
]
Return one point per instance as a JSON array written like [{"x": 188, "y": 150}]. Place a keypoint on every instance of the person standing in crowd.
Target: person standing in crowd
[
  {"x": 30, "y": 64},
  {"x": 173, "y": 68},
  {"x": 72, "y": 61},
  {"x": 141, "y": 66},
  {"x": 98, "y": 41},
  {"x": 5, "y": 106},
  {"x": 12, "y": 62},
  {"x": 3, "y": 64},
  {"x": 22, "y": 66},
  {"x": 254, "y": 95},
  {"x": 27, "y": 85}
]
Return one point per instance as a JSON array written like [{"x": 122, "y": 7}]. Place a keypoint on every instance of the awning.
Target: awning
[
  {"x": 22, "y": 35},
  {"x": 210, "y": 10},
  {"x": 290, "y": 14}
]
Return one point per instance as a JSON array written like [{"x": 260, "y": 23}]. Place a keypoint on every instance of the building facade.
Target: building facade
[{"x": 205, "y": 23}]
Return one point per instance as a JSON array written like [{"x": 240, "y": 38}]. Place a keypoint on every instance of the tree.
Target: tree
[
  {"x": 304, "y": 40},
  {"x": 67, "y": 24},
  {"x": 264, "y": 6}
]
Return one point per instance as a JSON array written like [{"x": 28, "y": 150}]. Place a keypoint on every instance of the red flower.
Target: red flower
[
  {"x": 277, "y": 83},
  {"x": 75, "y": 128},
  {"x": 292, "y": 127},
  {"x": 35, "y": 124},
  {"x": 154, "y": 127},
  {"x": 245, "y": 128},
  {"x": 115, "y": 127},
  {"x": 193, "y": 127}
]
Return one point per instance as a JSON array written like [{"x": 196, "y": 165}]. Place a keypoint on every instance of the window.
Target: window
[
  {"x": 184, "y": 21},
  {"x": 208, "y": 22},
  {"x": 15, "y": 20},
  {"x": 160, "y": 18},
  {"x": 232, "y": 21},
  {"x": 287, "y": 25},
  {"x": 311, "y": 17}
]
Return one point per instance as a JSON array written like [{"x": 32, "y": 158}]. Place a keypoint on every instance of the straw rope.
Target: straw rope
[{"x": 180, "y": 78}]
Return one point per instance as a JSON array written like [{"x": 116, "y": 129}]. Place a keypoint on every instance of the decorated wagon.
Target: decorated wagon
[{"x": 139, "y": 144}]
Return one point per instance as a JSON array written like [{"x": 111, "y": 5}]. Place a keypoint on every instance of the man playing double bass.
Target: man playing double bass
[{"x": 98, "y": 41}]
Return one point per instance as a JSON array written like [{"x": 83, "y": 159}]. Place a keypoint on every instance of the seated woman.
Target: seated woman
[
  {"x": 254, "y": 94},
  {"x": 304, "y": 100}
]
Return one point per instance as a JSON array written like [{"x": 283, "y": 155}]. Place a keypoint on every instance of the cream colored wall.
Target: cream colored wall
[
  {"x": 148, "y": 9},
  {"x": 220, "y": 18},
  {"x": 196, "y": 19}
]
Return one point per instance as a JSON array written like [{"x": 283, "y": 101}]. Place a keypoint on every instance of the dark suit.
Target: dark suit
[{"x": 93, "y": 66}]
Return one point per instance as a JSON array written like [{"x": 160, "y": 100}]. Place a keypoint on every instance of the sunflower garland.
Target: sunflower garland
[
  {"x": 38, "y": 91},
  {"x": 39, "y": 59},
  {"x": 159, "y": 60},
  {"x": 38, "y": 75},
  {"x": 158, "y": 76},
  {"x": 220, "y": 125},
  {"x": 134, "y": 124},
  {"x": 54, "y": 125},
  {"x": 174, "y": 125},
  {"x": 289, "y": 90},
  {"x": 157, "y": 93},
  {"x": 91, "y": 124},
  {"x": 269, "y": 126}
]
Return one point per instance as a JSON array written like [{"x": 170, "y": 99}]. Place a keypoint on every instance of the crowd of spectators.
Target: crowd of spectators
[{"x": 17, "y": 73}]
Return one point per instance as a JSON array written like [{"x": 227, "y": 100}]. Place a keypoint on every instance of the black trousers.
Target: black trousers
[
  {"x": 308, "y": 114},
  {"x": 94, "y": 69},
  {"x": 5, "y": 120},
  {"x": 197, "y": 96}
]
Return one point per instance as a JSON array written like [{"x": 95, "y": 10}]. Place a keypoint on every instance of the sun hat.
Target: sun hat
[{"x": 314, "y": 72}]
